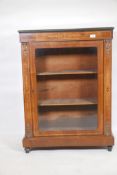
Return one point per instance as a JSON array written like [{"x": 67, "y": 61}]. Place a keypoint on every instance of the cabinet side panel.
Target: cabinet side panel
[
  {"x": 107, "y": 86},
  {"x": 26, "y": 90}
]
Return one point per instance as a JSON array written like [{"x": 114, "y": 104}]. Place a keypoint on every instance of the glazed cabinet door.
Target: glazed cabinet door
[{"x": 67, "y": 87}]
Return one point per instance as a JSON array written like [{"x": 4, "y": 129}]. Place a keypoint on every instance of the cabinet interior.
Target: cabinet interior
[{"x": 67, "y": 88}]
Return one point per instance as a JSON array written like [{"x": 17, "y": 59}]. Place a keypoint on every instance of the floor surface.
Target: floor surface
[{"x": 14, "y": 161}]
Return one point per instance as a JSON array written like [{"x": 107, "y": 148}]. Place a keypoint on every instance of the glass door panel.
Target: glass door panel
[{"x": 67, "y": 88}]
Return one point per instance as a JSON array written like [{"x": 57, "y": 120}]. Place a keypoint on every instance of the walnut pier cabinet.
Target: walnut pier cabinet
[{"x": 67, "y": 88}]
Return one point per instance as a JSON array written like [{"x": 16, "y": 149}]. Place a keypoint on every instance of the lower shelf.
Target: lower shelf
[
  {"x": 68, "y": 118},
  {"x": 69, "y": 72},
  {"x": 68, "y": 123}
]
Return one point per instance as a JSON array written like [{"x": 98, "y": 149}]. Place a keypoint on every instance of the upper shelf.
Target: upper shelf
[
  {"x": 68, "y": 72},
  {"x": 67, "y": 102}
]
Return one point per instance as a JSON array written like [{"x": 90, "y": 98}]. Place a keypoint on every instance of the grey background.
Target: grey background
[{"x": 43, "y": 14}]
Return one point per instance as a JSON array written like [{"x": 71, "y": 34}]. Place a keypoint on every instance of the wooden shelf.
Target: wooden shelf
[
  {"x": 69, "y": 72},
  {"x": 67, "y": 102}
]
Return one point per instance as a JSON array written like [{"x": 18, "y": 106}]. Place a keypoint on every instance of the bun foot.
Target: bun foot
[
  {"x": 27, "y": 150},
  {"x": 109, "y": 148}
]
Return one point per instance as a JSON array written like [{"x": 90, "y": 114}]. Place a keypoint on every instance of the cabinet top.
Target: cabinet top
[
  {"x": 67, "y": 30},
  {"x": 81, "y": 34}
]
